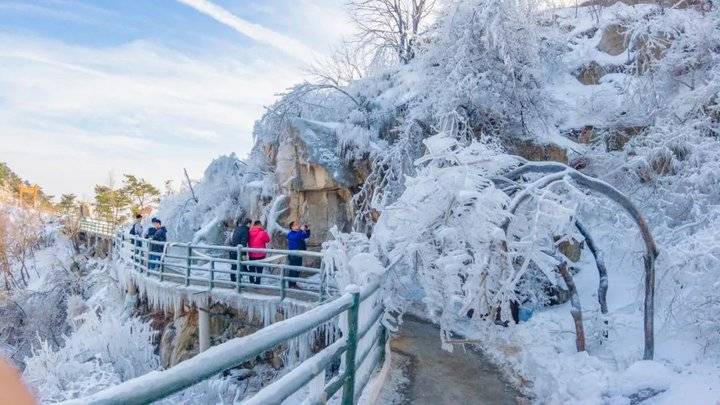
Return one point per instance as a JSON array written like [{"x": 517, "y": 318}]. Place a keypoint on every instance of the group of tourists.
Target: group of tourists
[
  {"x": 247, "y": 233},
  {"x": 252, "y": 235},
  {"x": 157, "y": 234}
]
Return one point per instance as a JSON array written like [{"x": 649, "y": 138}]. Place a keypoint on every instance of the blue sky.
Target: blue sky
[{"x": 90, "y": 88}]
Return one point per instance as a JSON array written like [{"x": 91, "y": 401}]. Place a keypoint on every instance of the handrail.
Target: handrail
[
  {"x": 185, "y": 264},
  {"x": 157, "y": 385},
  {"x": 199, "y": 264}
]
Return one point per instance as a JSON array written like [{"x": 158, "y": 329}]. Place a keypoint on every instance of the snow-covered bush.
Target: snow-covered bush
[
  {"x": 229, "y": 189},
  {"x": 104, "y": 350},
  {"x": 21, "y": 231}
]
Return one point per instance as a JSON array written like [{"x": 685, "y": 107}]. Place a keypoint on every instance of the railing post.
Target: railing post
[
  {"x": 146, "y": 251},
  {"x": 161, "y": 266},
  {"x": 238, "y": 268},
  {"x": 212, "y": 273},
  {"x": 204, "y": 325},
  {"x": 382, "y": 343},
  {"x": 352, "y": 326},
  {"x": 187, "y": 267},
  {"x": 323, "y": 281},
  {"x": 282, "y": 283}
]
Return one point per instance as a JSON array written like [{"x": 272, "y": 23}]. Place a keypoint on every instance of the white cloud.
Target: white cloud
[
  {"x": 70, "y": 114},
  {"x": 257, "y": 32}
]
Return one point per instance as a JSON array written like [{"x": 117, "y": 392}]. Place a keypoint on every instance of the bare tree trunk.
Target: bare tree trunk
[
  {"x": 600, "y": 264},
  {"x": 558, "y": 171},
  {"x": 576, "y": 309}
]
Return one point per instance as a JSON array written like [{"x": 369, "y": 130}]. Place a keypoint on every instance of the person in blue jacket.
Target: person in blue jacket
[
  {"x": 296, "y": 241},
  {"x": 157, "y": 233}
]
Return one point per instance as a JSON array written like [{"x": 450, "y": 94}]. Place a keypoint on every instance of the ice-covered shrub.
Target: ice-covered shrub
[
  {"x": 229, "y": 189},
  {"x": 104, "y": 349}
]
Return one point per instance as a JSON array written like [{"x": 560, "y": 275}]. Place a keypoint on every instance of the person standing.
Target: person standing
[
  {"x": 137, "y": 231},
  {"x": 157, "y": 233},
  {"x": 240, "y": 237},
  {"x": 296, "y": 241},
  {"x": 258, "y": 239}
]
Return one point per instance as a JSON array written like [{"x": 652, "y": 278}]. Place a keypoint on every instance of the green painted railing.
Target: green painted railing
[
  {"x": 364, "y": 331},
  {"x": 214, "y": 266},
  {"x": 362, "y": 348},
  {"x": 97, "y": 227}
]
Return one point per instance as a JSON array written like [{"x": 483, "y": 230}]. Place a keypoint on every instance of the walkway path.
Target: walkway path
[{"x": 423, "y": 373}]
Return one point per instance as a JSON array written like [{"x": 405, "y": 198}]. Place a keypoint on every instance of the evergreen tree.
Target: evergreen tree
[
  {"x": 140, "y": 192},
  {"x": 67, "y": 203},
  {"x": 111, "y": 204}
]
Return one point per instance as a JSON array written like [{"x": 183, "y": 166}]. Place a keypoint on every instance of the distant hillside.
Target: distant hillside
[{"x": 11, "y": 182}]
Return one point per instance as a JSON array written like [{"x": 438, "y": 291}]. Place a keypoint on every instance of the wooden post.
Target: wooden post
[
  {"x": 204, "y": 325},
  {"x": 352, "y": 320}
]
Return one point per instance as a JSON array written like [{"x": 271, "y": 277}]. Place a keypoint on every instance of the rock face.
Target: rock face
[
  {"x": 538, "y": 152},
  {"x": 614, "y": 40},
  {"x": 591, "y": 73},
  {"x": 317, "y": 180},
  {"x": 614, "y": 138}
]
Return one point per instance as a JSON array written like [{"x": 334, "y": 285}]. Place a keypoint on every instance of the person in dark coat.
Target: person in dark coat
[
  {"x": 137, "y": 231},
  {"x": 157, "y": 233},
  {"x": 240, "y": 237},
  {"x": 296, "y": 241}
]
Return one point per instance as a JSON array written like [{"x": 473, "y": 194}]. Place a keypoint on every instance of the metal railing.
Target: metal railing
[
  {"x": 97, "y": 227},
  {"x": 363, "y": 345},
  {"x": 227, "y": 267}
]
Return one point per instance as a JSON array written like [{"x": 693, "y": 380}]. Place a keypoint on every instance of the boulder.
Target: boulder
[
  {"x": 614, "y": 40},
  {"x": 318, "y": 181},
  {"x": 591, "y": 73},
  {"x": 616, "y": 138},
  {"x": 571, "y": 249},
  {"x": 538, "y": 152}
]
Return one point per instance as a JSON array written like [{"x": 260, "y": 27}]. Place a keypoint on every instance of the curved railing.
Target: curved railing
[
  {"x": 359, "y": 311},
  {"x": 227, "y": 267}
]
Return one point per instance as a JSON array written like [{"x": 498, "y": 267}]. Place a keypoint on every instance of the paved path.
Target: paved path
[{"x": 423, "y": 373}]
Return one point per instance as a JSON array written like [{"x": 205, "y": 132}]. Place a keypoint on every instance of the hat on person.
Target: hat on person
[{"x": 156, "y": 220}]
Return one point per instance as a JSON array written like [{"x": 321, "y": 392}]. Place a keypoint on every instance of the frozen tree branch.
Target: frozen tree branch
[
  {"x": 557, "y": 171},
  {"x": 576, "y": 308}
]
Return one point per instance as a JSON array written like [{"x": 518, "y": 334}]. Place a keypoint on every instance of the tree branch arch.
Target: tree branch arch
[{"x": 555, "y": 172}]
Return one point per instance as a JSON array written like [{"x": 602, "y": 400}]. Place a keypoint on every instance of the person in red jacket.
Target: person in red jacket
[{"x": 258, "y": 238}]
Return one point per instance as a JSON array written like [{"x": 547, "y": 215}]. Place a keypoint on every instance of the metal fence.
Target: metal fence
[
  {"x": 223, "y": 267},
  {"x": 362, "y": 346},
  {"x": 228, "y": 267},
  {"x": 97, "y": 226}
]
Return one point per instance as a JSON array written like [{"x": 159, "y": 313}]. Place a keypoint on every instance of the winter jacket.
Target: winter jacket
[
  {"x": 296, "y": 239},
  {"x": 258, "y": 238},
  {"x": 240, "y": 236},
  {"x": 136, "y": 229},
  {"x": 159, "y": 235}
]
